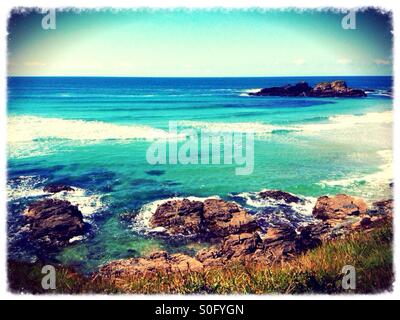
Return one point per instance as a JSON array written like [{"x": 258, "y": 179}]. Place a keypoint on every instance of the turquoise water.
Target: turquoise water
[{"x": 93, "y": 133}]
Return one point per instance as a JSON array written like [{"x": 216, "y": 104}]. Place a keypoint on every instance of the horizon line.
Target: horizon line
[{"x": 114, "y": 76}]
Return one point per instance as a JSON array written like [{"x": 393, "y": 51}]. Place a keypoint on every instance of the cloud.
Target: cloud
[
  {"x": 344, "y": 61},
  {"x": 299, "y": 62},
  {"x": 34, "y": 64},
  {"x": 382, "y": 61}
]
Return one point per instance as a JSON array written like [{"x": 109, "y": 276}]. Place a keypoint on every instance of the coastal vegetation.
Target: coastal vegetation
[{"x": 316, "y": 271}]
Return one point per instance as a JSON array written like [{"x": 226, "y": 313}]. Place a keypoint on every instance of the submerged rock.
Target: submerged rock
[
  {"x": 337, "y": 88},
  {"x": 57, "y": 188},
  {"x": 280, "y": 195},
  {"x": 53, "y": 221}
]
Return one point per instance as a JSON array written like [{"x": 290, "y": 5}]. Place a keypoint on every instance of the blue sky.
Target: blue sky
[{"x": 200, "y": 43}]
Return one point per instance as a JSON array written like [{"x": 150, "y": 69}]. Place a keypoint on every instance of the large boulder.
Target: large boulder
[
  {"x": 155, "y": 263},
  {"x": 212, "y": 218},
  {"x": 179, "y": 217},
  {"x": 54, "y": 221},
  {"x": 222, "y": 218},
  {"x": 338, "y": 207}
]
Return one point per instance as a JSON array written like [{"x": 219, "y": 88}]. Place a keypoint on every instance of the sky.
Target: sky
[{"x": 199, "y": 43}]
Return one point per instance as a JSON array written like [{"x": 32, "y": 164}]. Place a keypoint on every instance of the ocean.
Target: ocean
[{"x": 92, "y": 133}]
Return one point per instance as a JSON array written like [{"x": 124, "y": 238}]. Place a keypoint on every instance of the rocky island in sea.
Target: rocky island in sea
[{"x": 337, "y": 88}]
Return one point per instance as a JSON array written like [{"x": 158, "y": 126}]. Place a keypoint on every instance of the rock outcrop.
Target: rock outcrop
[
  {"x": 222, "y": 218},
  {"x": 338, "y": 207},
  {"x": 335, "y": 216},
  {"x": 279, "y": 243},
  {"x": 179, "y": 217},
  {"x": 337, "y": 88},
  {"x": 157, "y": 262},
  {"x": 299, "y": 89},
  {"x": 212, "y": 218},
  {"x": 53, "y": 222}
]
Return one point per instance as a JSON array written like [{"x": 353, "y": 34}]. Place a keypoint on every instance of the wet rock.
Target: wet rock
[
  {"x": 53, "y": 221},
  {"x": 127, "y": 216},
  {"x": 57, "y": 188},
  {"x": 338, "y": 207},
  {"x": 155, "y": 263},
  {"x": 280, "y": 195}
]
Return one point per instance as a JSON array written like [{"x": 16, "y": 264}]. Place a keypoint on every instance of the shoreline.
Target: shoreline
[{"x": 252, "y": 241}]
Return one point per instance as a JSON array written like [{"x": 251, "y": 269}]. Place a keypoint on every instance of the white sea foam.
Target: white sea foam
[
  {"x": 31, "y": 128},
  {"x": 349, "y": 121},
  {"x": 253, "y": 199},
  {"x": 142, "y": 219},
  {"x": 245, "y": 93},
  {"x": 271, "y": 211},
  {"x": 240, "y": 127},
  {"x": 31, "y": 186},
  {"x": 24, "y": 187},
  {"x": 368, "y": 184},
  {"x": 87, "y": 203},
  {"x": 334, "y": 123}
]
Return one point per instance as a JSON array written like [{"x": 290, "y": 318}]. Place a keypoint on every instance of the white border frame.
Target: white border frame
[{"x": 6, "y": 6}]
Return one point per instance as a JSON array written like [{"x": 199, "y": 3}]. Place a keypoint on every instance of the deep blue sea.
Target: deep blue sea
[{"x": 93, "y": 133}]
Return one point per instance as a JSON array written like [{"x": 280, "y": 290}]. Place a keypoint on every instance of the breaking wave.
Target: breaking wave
[
  {"x": 32, "y": 128},
  {"x": 370, "y": 185},
  {"x": 32, "y": 187},
  {"x": 333, "y": 123}
]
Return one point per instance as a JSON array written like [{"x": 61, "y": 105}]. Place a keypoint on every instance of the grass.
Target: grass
[{"x": 317, "y": 271}]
